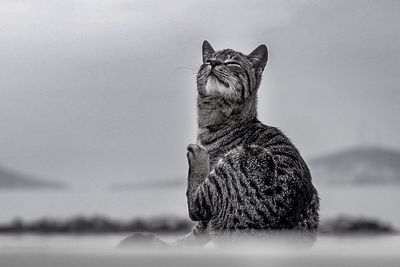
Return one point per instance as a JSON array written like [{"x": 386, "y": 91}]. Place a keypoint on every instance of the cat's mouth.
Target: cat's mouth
[
  {"x": 218, "y": 79},
  {"x": 215, "y": 84}
]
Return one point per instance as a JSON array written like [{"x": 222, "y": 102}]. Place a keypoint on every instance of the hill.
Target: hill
[
  {"x": 13, "y": 180},
  {"x": 361, "y": 165}
]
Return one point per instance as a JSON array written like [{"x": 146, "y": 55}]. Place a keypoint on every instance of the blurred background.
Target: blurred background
[{"x": 97, "y": 101}]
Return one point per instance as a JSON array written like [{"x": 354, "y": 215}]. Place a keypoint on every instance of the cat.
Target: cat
[{"x": 244, "y": 177}]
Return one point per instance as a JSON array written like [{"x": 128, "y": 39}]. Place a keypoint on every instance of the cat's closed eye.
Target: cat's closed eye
[{"x": 233, "y": 63}]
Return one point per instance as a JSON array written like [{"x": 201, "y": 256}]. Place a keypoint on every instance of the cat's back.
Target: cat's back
[
  {"x": 254, "y": 143},
  {"x": 265, "y": 181},
  {"x": 286, "y": 166},
  {"x": 274, "y": 142},
  {"x": 271, "y": 138}
]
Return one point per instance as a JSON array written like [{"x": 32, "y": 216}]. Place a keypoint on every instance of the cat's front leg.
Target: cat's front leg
[
  {"x": 199, "y": 165},
  {"x": 199, "y": 169}
]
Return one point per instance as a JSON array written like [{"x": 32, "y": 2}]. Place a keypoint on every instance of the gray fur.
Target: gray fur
[{"x": 244, "y": 176}]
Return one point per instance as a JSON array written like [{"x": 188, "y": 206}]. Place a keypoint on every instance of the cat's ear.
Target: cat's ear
[
  {"x": 208, "y": 50},
  {"x": 259, "y": 57}
]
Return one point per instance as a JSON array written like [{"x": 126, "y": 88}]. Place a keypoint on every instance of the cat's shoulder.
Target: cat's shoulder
[
  {"x": 246, "y": 155},
  {"x": 267, "y": 133}
]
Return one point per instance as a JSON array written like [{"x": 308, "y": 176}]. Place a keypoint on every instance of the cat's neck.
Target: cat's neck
[{"x": 217, "y": 118}]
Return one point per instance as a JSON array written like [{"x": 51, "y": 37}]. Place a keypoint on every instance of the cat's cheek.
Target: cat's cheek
[{"x": 202, "y": 89}]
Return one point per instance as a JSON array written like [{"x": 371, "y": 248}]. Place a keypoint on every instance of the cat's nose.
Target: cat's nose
[{"x": 214, "y": 63}]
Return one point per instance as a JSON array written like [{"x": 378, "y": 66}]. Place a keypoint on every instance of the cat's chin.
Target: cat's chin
[{"x": 214, "y": 85}]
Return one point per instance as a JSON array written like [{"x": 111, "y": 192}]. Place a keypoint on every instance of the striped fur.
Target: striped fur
[{"x": 244, "y": 176}]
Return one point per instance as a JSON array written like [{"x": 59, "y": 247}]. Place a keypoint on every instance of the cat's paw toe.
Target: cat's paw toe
[{"x": 194, "y": 150}]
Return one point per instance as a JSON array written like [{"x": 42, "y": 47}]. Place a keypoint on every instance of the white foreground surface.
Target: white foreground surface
[{"x": 43, "y": 251}]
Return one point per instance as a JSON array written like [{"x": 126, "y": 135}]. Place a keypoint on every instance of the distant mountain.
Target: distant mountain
[
  {"x": 166, "y": 183},
  {"x": 13, "y": 180},
  {"x": 362, "y": 165}
]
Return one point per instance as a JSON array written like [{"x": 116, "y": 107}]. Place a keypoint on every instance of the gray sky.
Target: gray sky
[{"x": 97, "y": 92}]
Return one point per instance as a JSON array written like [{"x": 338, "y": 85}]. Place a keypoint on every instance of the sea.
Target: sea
[
  {"x": 381, "y": 202},
  {"x": 33, "y": 250}
]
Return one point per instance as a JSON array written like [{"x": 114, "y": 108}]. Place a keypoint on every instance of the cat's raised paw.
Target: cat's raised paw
[
  {"x": 198, "y": 158},
  {"x": 195, "y": 148},
  {"x": 195, "y": 151}
]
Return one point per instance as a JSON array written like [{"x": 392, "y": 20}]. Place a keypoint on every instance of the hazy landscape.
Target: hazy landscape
[
  {"x": 348, "y": 181},
  {"x": 98, "y": 105}
]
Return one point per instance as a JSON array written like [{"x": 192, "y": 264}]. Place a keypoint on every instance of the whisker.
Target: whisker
[{"x": 189, "y": 67}]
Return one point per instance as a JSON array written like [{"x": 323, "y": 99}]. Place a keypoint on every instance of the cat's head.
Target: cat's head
[{"x": 229, "y": 74}]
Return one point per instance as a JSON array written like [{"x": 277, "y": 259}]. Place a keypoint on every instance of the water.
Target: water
[
  {"x": 380, "y": 202},
  {"x": 370, "y": 201},
  {"x": 120, "y": 205},
  {"x": 98, "y": 250}
]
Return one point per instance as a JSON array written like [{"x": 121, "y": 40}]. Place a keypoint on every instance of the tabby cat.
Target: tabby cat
[{"x": 244, "y": 176}]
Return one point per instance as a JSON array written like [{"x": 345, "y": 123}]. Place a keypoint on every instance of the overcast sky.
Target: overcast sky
[{"x": 98, "y": 92}]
